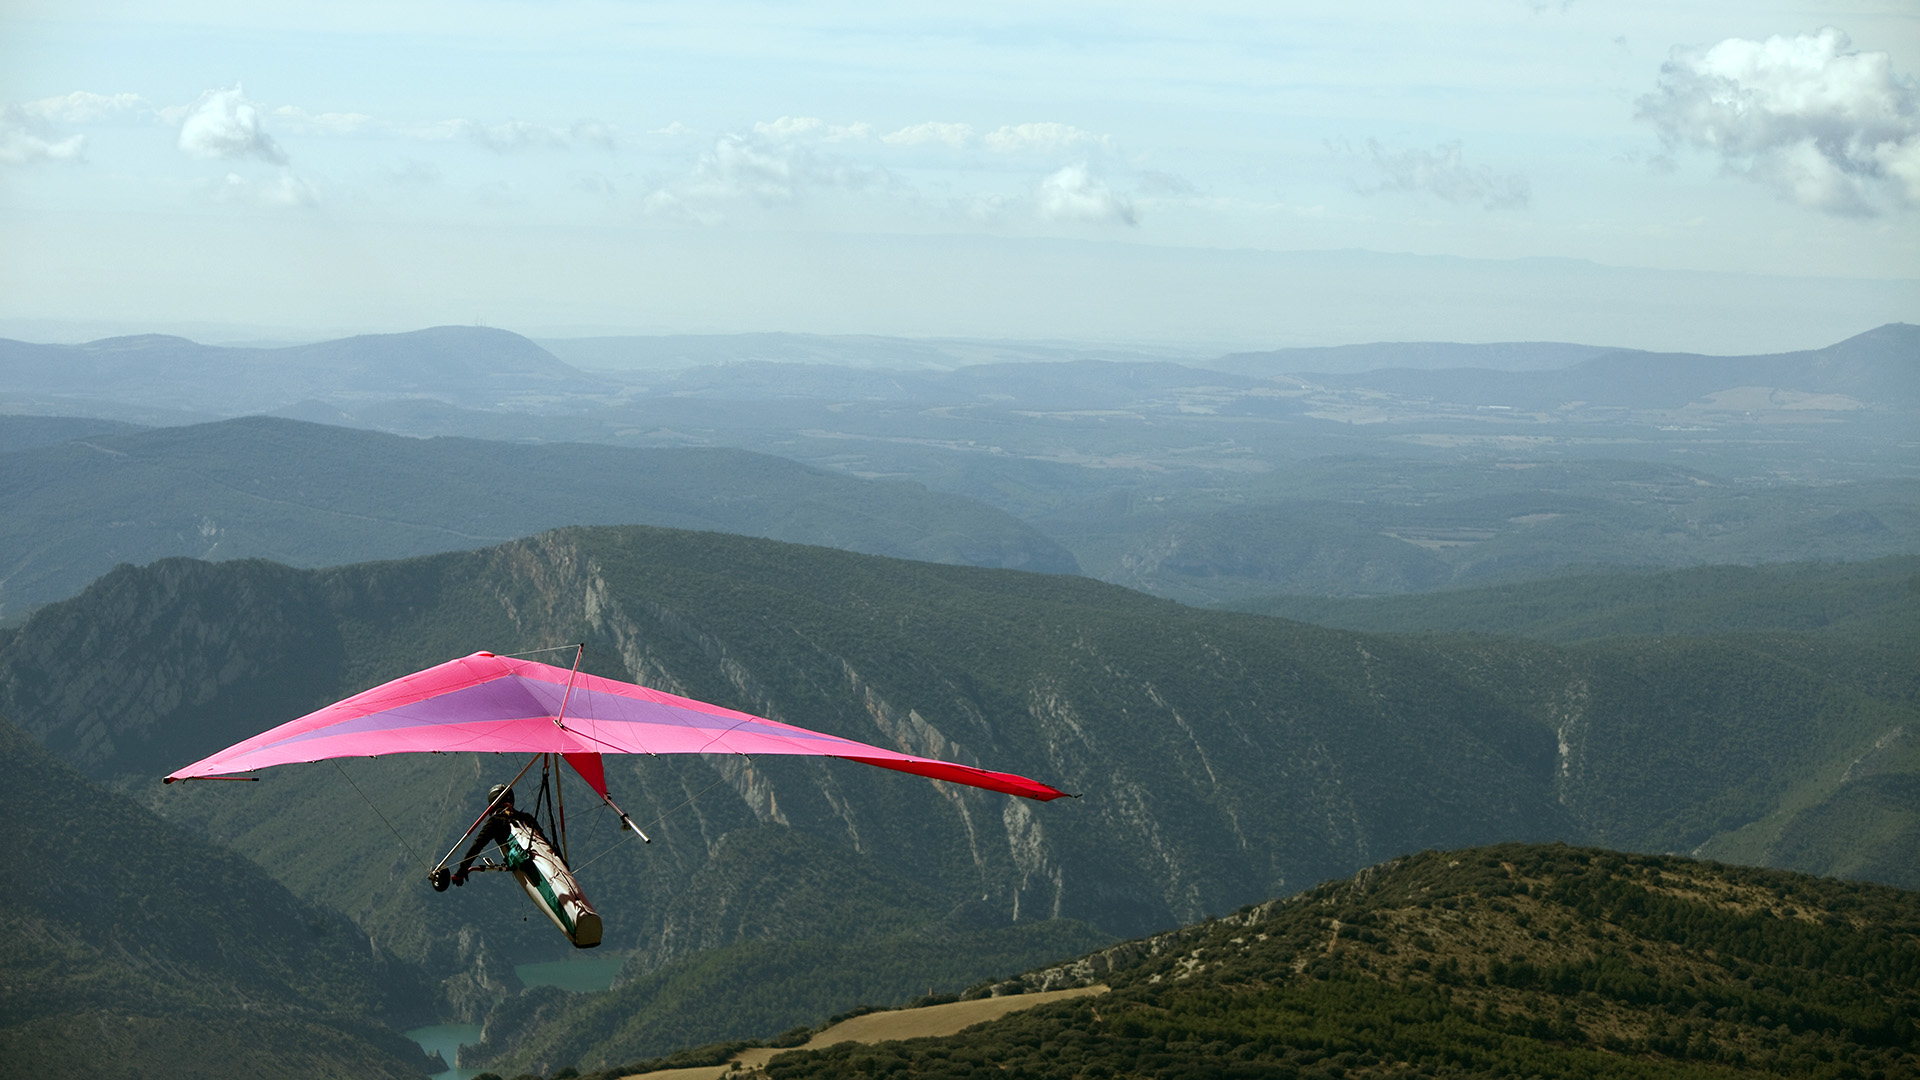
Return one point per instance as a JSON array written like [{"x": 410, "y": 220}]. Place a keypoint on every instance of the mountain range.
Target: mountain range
[
  {"x": 312, "y": 495},
  {"x": 1222, "y": 757},
  {"x": 154, "y": 372},
  {"x": 1870, "y": 370},
  {"x": 1163, "y": 473},
  {"x": 492, "y": 369},
  {"x": 1759, "y": 714}
]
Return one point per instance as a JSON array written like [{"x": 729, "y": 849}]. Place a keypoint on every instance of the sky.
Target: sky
[{"x": 1719, "y": 175}]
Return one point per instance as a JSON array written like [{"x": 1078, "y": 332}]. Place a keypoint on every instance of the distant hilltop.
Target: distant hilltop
[{"x": 458, "y": 364}]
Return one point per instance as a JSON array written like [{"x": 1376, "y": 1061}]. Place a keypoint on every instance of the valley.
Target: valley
[
  {"x": 1210, "y": 480},
  {"x": 1222, "y": 758},
  {"x": 1009, "y": 542},
  {"x": 1273, "y": 627}
]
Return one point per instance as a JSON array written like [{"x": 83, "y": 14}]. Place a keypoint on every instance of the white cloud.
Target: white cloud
[
  {"x": 1442, "y": 173},
  {"x": 796, "y": 128},
  {"x": 789, "y": 127},
  {"x": 301, "y": 122},
  {"x": 26, "y": 128},
  {"x": 438, "y": 131},
  {"x": 224, "y": 124},
  {"x": 736, "y": 168},
  {"x": 954, "y": 135},
  {"x": 516, "y": 136},
  {"x": 734, "y": 171},
  {"x": 84, "y": 107},
  {"x": 24, "y": 140},
  {"x": 1041, "y": 138},
  {"x": 282, "y": 190},
  {"x": 774, "y": 166},
  {"x": 1825, "y": 127},
  {"x": 1074, "y": 194}
]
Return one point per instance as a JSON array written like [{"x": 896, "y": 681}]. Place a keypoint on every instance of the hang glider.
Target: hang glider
[{"x": 497, "y": 704}]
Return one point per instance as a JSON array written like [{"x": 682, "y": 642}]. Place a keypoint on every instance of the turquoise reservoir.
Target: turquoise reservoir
[
  {"x": 447, "y": 1039},
  {"x": 579, "y": 974}
]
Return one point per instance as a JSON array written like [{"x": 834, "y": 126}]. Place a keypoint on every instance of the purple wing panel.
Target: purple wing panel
[{"x": 495, "y": 704}]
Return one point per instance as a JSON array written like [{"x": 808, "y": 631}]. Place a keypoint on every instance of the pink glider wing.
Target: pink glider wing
[{"x": 496, "y": 704}]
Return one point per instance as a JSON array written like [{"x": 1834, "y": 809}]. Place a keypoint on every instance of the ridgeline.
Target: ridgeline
[
  {"x": 314, "y": 495},
  {"x": 1514, "y": 960}
]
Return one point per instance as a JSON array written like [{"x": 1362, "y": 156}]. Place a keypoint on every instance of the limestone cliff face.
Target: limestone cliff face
[
  {"x": 1212, "y": 767},
  {"x": 1221, "y": 758},
  {"x": 168, "y": 656}
]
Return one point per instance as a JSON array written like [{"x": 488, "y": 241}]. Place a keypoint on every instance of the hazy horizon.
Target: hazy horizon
[{"x": 1719, "y": 177}]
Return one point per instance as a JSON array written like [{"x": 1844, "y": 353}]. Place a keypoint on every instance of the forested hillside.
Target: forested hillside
[
  {"x": 1494, "y": 962},
  {"x": 130, "y": 947},
  {"x": 315, "y": 495},
  {"x": 1878, "y": 600},
  {"x": 1223, "y": 757}
]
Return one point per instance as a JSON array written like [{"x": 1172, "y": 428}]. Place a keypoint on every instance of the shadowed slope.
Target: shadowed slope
[{"x": 133, "y": 949}]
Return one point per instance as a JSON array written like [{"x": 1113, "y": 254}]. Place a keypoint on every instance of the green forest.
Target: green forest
[
  {"x": 1223, "y": 759},
  {"x": 131, "y": 947},
  {"x": 1513, "y": 960}
]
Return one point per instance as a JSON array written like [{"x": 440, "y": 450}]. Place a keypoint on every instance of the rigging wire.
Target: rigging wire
[
  {"x": 491, "y": 803},
  {"x": 415, "y": 856},
  {"x": 537, "y": 652},
  {"x": 663, "y": 816}
]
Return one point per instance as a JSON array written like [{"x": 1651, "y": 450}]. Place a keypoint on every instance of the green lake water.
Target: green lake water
[
  {"x": 580, "y": 973},
  {"x": 447, "y": 1038}
]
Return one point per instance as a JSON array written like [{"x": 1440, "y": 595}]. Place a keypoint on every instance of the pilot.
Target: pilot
[{"x": 495, "y": 830}]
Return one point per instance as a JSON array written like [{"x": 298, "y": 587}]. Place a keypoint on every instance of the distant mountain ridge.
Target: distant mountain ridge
[
  {"x": 1194, "y": 483},
  {"x": 666, "y": 352},
  {"x": 1409, "y": 356},
  {"x": 33, "y": 432},
  {"x": 480, "y": 367},
  {"x": 1875, "y": 369},
  {"x": 313, "y": 495},
  {"x": 474, "y": 366},
  {"x": 1879, "y": 599}
]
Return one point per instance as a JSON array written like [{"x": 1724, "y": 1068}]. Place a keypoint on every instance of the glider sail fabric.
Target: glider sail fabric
[{"x": 495, "y": 704}]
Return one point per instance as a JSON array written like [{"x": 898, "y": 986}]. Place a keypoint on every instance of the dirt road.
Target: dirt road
[{"x": 879, "y": 1027}]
